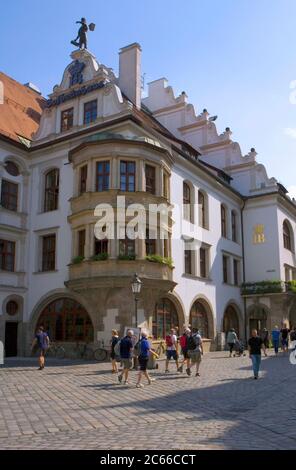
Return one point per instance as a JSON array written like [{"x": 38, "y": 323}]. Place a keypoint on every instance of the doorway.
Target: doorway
[{"x": 11, "y": 339}]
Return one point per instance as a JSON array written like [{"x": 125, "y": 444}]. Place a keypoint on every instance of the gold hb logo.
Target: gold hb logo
[{"x": 258, "y": 234}]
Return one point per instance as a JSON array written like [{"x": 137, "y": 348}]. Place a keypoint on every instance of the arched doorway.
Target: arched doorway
[
  {"x": 230, "y": 320},
  {"x": 257, "y": 318},
  {"x": 165, "y": 317},
  {"x": 66, "y": 320},
  {"x": 199, "y": 318}
]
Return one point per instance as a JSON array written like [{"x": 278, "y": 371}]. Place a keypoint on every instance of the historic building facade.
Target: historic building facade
[{"x": 224, "y": 256}]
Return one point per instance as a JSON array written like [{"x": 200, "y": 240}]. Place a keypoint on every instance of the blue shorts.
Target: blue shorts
[
  {"x": 285, "y": 342},
  {"x": 172, "y": 354}
]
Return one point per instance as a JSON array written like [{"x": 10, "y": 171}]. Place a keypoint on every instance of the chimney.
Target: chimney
[{"x": 130, "y": 80}]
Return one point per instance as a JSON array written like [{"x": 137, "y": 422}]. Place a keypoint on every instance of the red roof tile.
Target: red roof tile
[{"x": 21, "y": 112}]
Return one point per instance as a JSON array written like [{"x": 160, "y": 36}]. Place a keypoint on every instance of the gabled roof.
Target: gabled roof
[{"x": 21, "y": 112}]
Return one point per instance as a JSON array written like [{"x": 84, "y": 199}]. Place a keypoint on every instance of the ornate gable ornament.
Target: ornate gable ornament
[{"x": 76, "y": 75}]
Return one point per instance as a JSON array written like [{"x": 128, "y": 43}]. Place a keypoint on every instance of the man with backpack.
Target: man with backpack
[
  {"x": 171, "y": 349},
  {"x": 125, "y": 346},
  {"x": 195, "y": 351},
  {"x": 183, "y": 340}
]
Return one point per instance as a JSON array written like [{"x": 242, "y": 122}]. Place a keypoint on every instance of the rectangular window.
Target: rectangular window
[
  {"x": 9, "y": 193},
  {"x": 223, "y": 222},
  {"x": 225, "y": 269},
  {"x": 127, "y": 247},
  {"x": 166, "y": 247},
  {"x": 7, "y": 255},
  {"x": 236, "y": 272},
  {"x": 103, "y": 176},
  {"x": 81, "y": 242},
  {"x": 150, "y": 179},
  {"x": 90, "y": 111},
  {"x": 233, "y": 227},
  {"x": 48, "y": 252},
  {"x": 203, "y": 271},
  {"x": 150, "y": 244},
  {"x": 165, "y": 185},
  {"x": 101, "y": 246},
  {"x": 128, "y": 176},
  {"x": 83, "y": 179},
  {"x": 188, "y": 261},
  {"x": 67, "y": 119}
]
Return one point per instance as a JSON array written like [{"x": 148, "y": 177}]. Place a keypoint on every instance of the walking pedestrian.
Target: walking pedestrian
[
  {"x": 255, "y": 344},
  {"x": 275, "y": 336},
  {"x": 231, "y": 340},
  {"x": 184, "y": 348},
  {"x": 41, "y": 340},
  {"x": 195, "y": 351},
  {"x": 126, "y": 354},
  {"x": 144, "y": 351},
  {"x": 172, "y": 349},
  {"x": 265, "y": 337},
  {"x": 114, "y": 358},
  {"x": 285, "y": 337}
]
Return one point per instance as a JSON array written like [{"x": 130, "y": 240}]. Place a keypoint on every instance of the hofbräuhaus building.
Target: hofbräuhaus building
[{"x": 228, "y": 256}]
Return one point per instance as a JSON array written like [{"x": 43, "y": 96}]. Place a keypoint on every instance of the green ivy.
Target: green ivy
[
  {"x": 100, "y": 257},
  {"x": 77, "y": 259},
  {"x": 292, "y": 286},
  {"x": 160, "y": 259},
  {"x": 127, "y": 257},
  {"x": 262, "y": 287}
]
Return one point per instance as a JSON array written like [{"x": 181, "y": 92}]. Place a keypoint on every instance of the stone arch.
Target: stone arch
[
  {"x": 257, "y": 315},
  {"x": 232, "y": 318},
  {"x": 51, "y": 297},
  {"x": 177, "y": 304},
  {"x": 201, "y": 308},
  {"x": 19, "y": 162}
]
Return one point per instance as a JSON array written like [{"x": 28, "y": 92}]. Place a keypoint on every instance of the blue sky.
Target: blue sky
[{"x": 235, "y": 58}]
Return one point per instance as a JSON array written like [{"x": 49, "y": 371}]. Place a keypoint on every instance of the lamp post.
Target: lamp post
[{"x": 136, "y": 289}]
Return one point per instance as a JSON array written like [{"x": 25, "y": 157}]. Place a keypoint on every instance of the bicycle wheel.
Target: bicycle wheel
[
  {"x": 60, "y": 354},
  {"x": 100, "y": 354}
]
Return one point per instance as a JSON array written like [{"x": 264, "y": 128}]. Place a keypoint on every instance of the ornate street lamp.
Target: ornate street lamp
[{"x": 136, "y": 289}]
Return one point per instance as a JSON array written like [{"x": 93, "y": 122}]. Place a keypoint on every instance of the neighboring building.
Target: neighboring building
[{"x": 95, "y": 139}]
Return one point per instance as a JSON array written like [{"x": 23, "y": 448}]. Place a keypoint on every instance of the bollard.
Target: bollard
[{"x": 1, "y": 353}]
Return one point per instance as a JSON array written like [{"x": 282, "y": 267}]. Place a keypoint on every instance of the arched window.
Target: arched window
[
  {"x": 287, "y": 236},
  {"x": 187, "y": 206},
  {"x": 234, "y": 226},
  {"x": 165, "y": 318},
  {"x": 51, "y": 192},
  {"x": 199, "y": 318},
  {"x": 223, "y": 221},
  {"x": 203, "y": 210},
  {"x": 66, "y": 320}
]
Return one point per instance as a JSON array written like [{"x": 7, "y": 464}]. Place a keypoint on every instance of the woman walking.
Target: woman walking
[{"x": 114, "y": 341}]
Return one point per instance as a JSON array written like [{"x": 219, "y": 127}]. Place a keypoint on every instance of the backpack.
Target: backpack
[
  {"x": 169, "y": 341},
  {"x": 192, "y": 343},
  {"x": 183, "y": 342},
  {"x": 117, "y": 348}
]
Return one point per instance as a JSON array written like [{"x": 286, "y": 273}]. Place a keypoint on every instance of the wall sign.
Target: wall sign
[{"x": 258, "y": 234}]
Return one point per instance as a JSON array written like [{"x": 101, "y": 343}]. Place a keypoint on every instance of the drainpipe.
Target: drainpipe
[{"x": 244, "y": 269}]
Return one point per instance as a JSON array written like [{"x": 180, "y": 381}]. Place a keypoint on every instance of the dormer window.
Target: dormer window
[
  {"x": 67, "y": 119},
  {"x": 90, "y": 111}
]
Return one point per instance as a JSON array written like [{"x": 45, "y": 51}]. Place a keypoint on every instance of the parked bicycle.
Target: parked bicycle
[
  {"x": 55, "y": 350},
  {"x": 86, "y": 352},
  {"x": 160, "y": 348}
]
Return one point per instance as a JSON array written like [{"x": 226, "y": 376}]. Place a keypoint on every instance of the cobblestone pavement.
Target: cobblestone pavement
[{"x": 75, "y": 405}]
